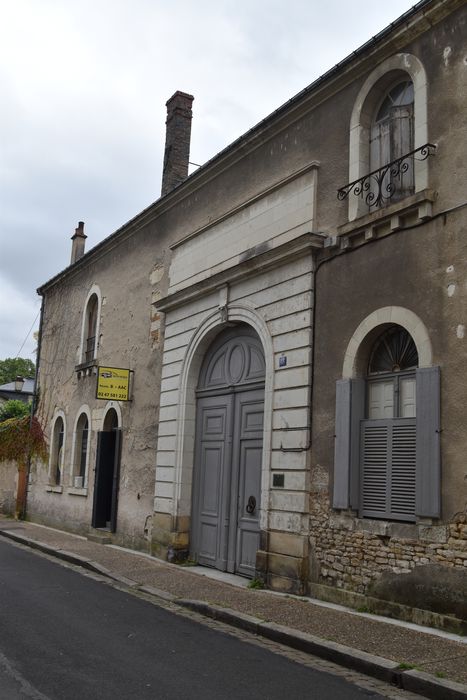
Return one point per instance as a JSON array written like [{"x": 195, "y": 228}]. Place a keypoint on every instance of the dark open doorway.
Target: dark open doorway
[{"x": 107, "y": 474}]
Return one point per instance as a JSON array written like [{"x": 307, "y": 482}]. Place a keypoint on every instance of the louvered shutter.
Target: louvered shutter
[
  {"x": 402, "y": 470},
  {"x": 375, "y": 452},
  {"x": 428, "y": 460},
  {"x": 388, "y": 450}
]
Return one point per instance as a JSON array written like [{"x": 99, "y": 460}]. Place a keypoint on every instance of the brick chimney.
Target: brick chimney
[
  {"x": 177, "y": 140},
  {"x": 78, "y": 238}
]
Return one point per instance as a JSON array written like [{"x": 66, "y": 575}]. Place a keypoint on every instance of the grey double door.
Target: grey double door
[{"x": 227, "y": 498}]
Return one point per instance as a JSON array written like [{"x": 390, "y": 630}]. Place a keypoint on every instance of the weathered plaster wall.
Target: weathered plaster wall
[
  {"x": 422, "y": 269},
  {"x": 277, "y": 303},
  {"x": 127, "y": 338},
  {"x": 8, "y": 486},
  {"x": 418, "y": 269}
]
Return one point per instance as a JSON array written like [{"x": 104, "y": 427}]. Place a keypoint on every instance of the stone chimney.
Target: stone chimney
[
  {"x": 177, "y": 140},
  {"x": 78, "y": 238}
]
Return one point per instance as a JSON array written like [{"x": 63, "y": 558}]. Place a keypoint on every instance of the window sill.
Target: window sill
[
  {"x": 378, "y": 223},
  {"x": 54, "y": 489},
  {"x": 423, "y": 531},
  {"x": 86, "y": 369},
  {"x": 77, "y": 492}
]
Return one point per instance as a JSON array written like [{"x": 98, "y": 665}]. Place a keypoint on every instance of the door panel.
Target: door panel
[
  {"x": 212, "y": 463},
  {"x": 248, "y": 435},
  {"x": 115, "y": 479},
  {"x": 103, "y": 481},
  {"x": 248, "y": 531},
  {"x": 226, "y": 504}
]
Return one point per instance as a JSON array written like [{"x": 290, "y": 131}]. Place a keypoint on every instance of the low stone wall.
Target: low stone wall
[{"x": 389, "y": 560}]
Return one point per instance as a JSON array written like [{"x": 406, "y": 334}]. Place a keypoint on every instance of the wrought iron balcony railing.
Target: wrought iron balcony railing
[{"x": 387, "y": 182}]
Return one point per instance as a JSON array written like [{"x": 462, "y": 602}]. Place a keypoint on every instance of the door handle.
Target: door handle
[{"x": 251, "y": 505}]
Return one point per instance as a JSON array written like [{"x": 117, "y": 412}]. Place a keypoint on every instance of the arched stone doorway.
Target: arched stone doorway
[
  {"x": 107, "y": 473},
  {"x": 225, "y": 531}
]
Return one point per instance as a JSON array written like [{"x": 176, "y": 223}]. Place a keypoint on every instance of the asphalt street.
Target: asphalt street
[{"x": 66, "y": 636}]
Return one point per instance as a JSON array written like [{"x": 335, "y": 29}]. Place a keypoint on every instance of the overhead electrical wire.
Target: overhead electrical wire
[{"x": 28, "y": 334}]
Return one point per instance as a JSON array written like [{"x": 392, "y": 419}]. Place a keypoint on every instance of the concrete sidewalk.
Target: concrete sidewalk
[{"x": 425, "y": 661}]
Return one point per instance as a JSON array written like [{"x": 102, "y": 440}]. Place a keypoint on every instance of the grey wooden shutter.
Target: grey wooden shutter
[
  {"x": 388, "y": 468},
  {"x": 342, "y": 445},
  {"x": 350, "y": 404},
  {"x": 357, "y": 413},
  {"x": 401, "y": 144},
  {"x": 115, "y": 480},
  {"x": 428, "y": 460},
  {"x": 402, "y": 470},
  {"x": 380, "y": 155},
  {"x": 375, "y": 455}
]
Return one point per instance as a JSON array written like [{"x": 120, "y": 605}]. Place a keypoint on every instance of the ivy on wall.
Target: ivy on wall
[{"x": 20, "y": 440}]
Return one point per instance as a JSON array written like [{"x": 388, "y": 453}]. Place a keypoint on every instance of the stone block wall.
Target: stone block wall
[{"x": 370, "y": 556}]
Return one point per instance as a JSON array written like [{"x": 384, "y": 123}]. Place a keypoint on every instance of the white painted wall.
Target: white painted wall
[
  {"x": 279, "y": 304},
  {"x": 272, "y": 219}
]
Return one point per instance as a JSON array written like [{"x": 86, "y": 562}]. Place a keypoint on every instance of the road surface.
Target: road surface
[{"x": 67, "y": 636}]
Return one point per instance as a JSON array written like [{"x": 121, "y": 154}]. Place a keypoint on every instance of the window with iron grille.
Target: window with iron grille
[
  {"x": 91, "y": 326},
  {"x": 391, "y": 138}
]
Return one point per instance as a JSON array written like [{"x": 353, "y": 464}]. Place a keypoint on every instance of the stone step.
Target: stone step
[{"x": 99, "y": 537}]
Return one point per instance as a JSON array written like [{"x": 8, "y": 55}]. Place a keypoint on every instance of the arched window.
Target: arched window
[
  {"x": 391, "y": 376},
  {"x": 90, "y": 340},
  {"x": 388, "y": 432},
  {"x": 56, "y": 464},
  {"x": 81, "y": 450},
  {"x": 387, "y": 446},
  {"x": 389, "y": 121},
  {"x": 391, "y": 138}
]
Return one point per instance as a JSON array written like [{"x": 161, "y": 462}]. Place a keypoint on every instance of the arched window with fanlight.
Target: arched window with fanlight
[
  {"x": 388, "y": 432},
  {"x": 388, "y": 137},
  {"x": 391, "y": 138},
  {"x": 387, "y": 429}
]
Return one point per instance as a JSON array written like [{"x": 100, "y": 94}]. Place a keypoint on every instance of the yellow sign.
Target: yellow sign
[{"x": 113, "y": 384}]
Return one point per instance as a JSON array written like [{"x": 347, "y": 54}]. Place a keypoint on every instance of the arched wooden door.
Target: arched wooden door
[{"x": 228, "y": 453}]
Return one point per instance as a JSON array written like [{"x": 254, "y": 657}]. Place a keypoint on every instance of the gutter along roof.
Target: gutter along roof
[{"x": 151, "y": 212}]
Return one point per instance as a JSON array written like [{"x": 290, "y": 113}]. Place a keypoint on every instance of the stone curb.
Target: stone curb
[
  {"x": 158, "y": 593},
  {"x": 436, "y": 688},
  {"x": 368, "y": 664},
  {"x": 69, "y": 557}
]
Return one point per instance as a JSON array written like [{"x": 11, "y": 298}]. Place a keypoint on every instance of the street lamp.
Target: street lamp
[{"x": 19, "y": 383}]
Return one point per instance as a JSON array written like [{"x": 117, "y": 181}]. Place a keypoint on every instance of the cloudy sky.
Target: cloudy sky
[{"x": 82, "y": 119}]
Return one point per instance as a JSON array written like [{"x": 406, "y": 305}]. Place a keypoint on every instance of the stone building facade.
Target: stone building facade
[{"x": 296, "y": 343}]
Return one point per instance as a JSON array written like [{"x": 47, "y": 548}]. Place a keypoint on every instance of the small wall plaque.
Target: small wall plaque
[
  {"x": 282, "y": 360},
  {"x": 278, "y": 480}
]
